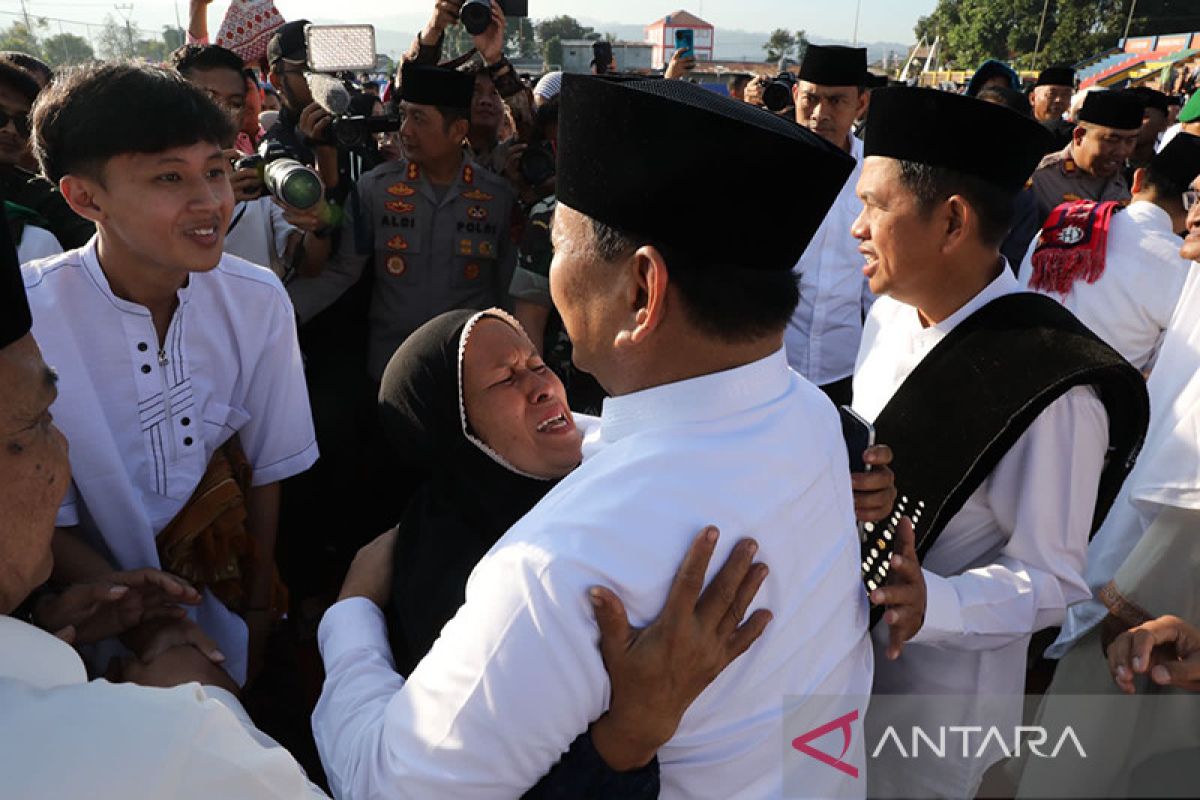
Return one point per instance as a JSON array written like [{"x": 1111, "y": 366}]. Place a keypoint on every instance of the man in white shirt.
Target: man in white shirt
[
  {"x": 1123, "y": 286},
  {"x": 167, "y": 348},
  {"x": 706, "y": 424},
  {"x": 1010, "y": 556},
  {"x": 66, "y": 737},
  {"x": 823, "y": 334}
]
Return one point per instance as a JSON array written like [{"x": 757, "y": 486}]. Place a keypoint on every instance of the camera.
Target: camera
[
  {"x": 286, "y": 179},
  {"x": 353, "y": 132},
  {"x": 476, "y": 15},
  {"x": 777, "y": 95}
]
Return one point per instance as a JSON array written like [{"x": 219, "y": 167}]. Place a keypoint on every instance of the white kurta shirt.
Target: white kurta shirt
[
  {"x": 259, "y": 234},
  {"x": 144, "y": 422},
  {"x": 516, "y": 675},
  {"x": 1009, "y": 563},
  {"x": 823, "y": 335},
  {"x": 1166, "y": 474},
  {"x": 64, "y": 737},
  {"x": 1130, "y": 305}
]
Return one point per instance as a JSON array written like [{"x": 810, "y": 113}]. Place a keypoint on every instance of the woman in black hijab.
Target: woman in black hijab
[{"x": 469, "y": 494}]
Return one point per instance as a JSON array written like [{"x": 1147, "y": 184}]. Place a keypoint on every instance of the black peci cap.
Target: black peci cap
[
  {"x": 625, "y": 149},
  {"x": 956, "y": 132},
  {"x": 288, "y": 43},
  {"x": 1179, "y": 160},
  {"x": 15, "y": 320},
  {"x": 1057, "y": 76},
  {"x": 1152, "y": 98},
  {"x": 1113, "y": 109},
  {"x": 834, "y": 65},
  {"x": 436, "y": 86}
]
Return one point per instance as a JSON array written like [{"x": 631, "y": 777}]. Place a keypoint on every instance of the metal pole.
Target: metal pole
[
  {"x": 1037, "y": 48},
  {"x": 857, "y": 10},
  {"x": 1129, "y": 22}
]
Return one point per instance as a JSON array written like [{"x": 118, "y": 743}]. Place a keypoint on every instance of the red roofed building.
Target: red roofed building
[{"x": 661, "y": 34}]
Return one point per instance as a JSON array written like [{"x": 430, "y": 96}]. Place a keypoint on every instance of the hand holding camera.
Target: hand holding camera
[
  {"x": 246, "y": 181},
  {"x": 314, "y": 125},
  {"x": 489, "y": 40},
  {"x": 445, "y": 14}
]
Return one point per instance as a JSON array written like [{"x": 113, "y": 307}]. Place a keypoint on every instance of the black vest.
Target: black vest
[{"x": 971, "y": 398}]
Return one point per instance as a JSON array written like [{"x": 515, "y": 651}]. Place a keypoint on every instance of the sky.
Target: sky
[{"x": 881, "y": 20}]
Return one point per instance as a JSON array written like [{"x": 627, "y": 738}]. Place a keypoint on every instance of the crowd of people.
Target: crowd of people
[{"x": 509, "y": 452}]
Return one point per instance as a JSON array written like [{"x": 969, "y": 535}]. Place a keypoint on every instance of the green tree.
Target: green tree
[
  {"x": 118, "y": 40},
  {"x": 521, "y": 39},
  {"x": 20, "y": 38},
  {"x": 781, "y": 44},
  {"x": 551, "y": 33},
  {"x": 67, "y": 48}
]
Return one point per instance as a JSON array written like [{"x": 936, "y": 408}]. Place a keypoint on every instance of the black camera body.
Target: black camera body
[
  {"x": 284, "y": 177},
  {"x": 777, "y": 95},
  {"x": 351, "y": 132},
  {"x": 476, "y": 15}
]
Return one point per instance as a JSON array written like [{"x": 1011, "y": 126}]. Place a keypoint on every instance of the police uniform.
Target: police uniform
[
  {"x": 433, "y": 250},
  {"x": 1059, "y": 179}
]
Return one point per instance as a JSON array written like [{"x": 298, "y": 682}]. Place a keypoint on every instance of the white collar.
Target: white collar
[
  {"x": 708, "y": 397},
  {"x": 90, "y": 257},
  {"x": 1005, "y": 283},
  {"x": 1150, "y": 215}
]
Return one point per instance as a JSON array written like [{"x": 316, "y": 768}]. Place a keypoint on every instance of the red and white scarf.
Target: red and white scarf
[{"x": 1072, "y": 246}]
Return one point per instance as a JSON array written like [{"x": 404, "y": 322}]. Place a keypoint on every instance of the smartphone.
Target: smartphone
[
  {"x": 859, "y": 435},
  {"x": 686, "y": 39}
]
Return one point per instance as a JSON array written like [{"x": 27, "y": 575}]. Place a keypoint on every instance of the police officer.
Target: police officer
[
  {"x": 1091, "y": 166},
  {"x": 436, "y": 223},
  {"x": 1050, "y": 98}
]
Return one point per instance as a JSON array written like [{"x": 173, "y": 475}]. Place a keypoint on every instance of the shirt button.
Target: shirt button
[
  {"x": 187, "y": 442},
  {"x": 186, "y": 421},
  {"x": 143, "y": 347},
  {"x": 145, "y": 369}
]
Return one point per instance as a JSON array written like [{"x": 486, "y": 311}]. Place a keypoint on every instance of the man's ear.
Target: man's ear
[
  {"x": 84, "y": 196},
  {"x": 1078, "y": 134},
  {"x": 651, "y": 280},
  {"x": 960, "y": 216},
  {"x": 864, "y": 103},
  {"x": 1139, "y": 181},
  {"x": 460, "y": 129}
]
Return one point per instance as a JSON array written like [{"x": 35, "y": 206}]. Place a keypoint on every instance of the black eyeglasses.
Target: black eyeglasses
[{"x": 21, "y": 121}]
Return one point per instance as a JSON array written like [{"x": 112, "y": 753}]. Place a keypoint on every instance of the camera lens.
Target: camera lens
[
  {"x": 776, "y": 96},
  {"x": 475, "y": 16}
]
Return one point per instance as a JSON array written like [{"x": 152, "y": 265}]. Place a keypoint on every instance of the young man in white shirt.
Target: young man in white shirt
[
  {"x": 706, "y": 423},
  {"x": 166, "y": 348},
  {"x": 823, "y": 334},
  {"x": 1016, "y": 512},
  {"x": 1122, "y": 276}
]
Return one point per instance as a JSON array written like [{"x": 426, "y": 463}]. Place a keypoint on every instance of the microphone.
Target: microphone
[{"x": 329, "y": 93}]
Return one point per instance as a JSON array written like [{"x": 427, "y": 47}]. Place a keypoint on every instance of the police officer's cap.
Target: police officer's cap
[
  {"x": 436, "y": 86},
  {"x": 1179, "y": 160},
  {"x": 1120, "y": 110},
  {"x": 834, "y": 65},
  {"x": 15, "y": 320},
  {"x": 638, "y": 155},
  {"x": 1152, "y": 98},
  {"x": 1057, "y": 76},
  {"x": 955, "y": 132}
]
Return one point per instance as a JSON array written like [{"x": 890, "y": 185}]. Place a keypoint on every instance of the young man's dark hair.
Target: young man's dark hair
[
  {"x": 1009, "y": 98},
  {"x": 731, "y": 303},
  {"x": 931, "y": 185},
  {"x": 204, "y": 57},
  {"x": 40, "y": 70},
  {"x": 1164, "y": 185},
  {"x": 19, "y": 80},
  {"x": 98, "y": 111}
]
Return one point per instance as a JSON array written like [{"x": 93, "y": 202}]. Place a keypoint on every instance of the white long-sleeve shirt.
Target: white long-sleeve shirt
[
  {"x": 1130, "y": 305},
  {"x": 823, "y": 334},
  {"x": 1006, "y": 565},
  {"x": 516, "y": 675},
  {"x": 65, "y": 737}
]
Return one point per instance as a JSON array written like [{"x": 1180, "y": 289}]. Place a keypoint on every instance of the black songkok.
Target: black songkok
[
  {"x": 1179, "y": 160},
  {"x": 1113, "y": 109},
  {"x": 628, "y": 151},
  {"x": 1057, "y": 76},
  {"x": 955, "y": 132},
  {"x": 436, "y": 86},
  {"x": 834, "y": 65}
]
